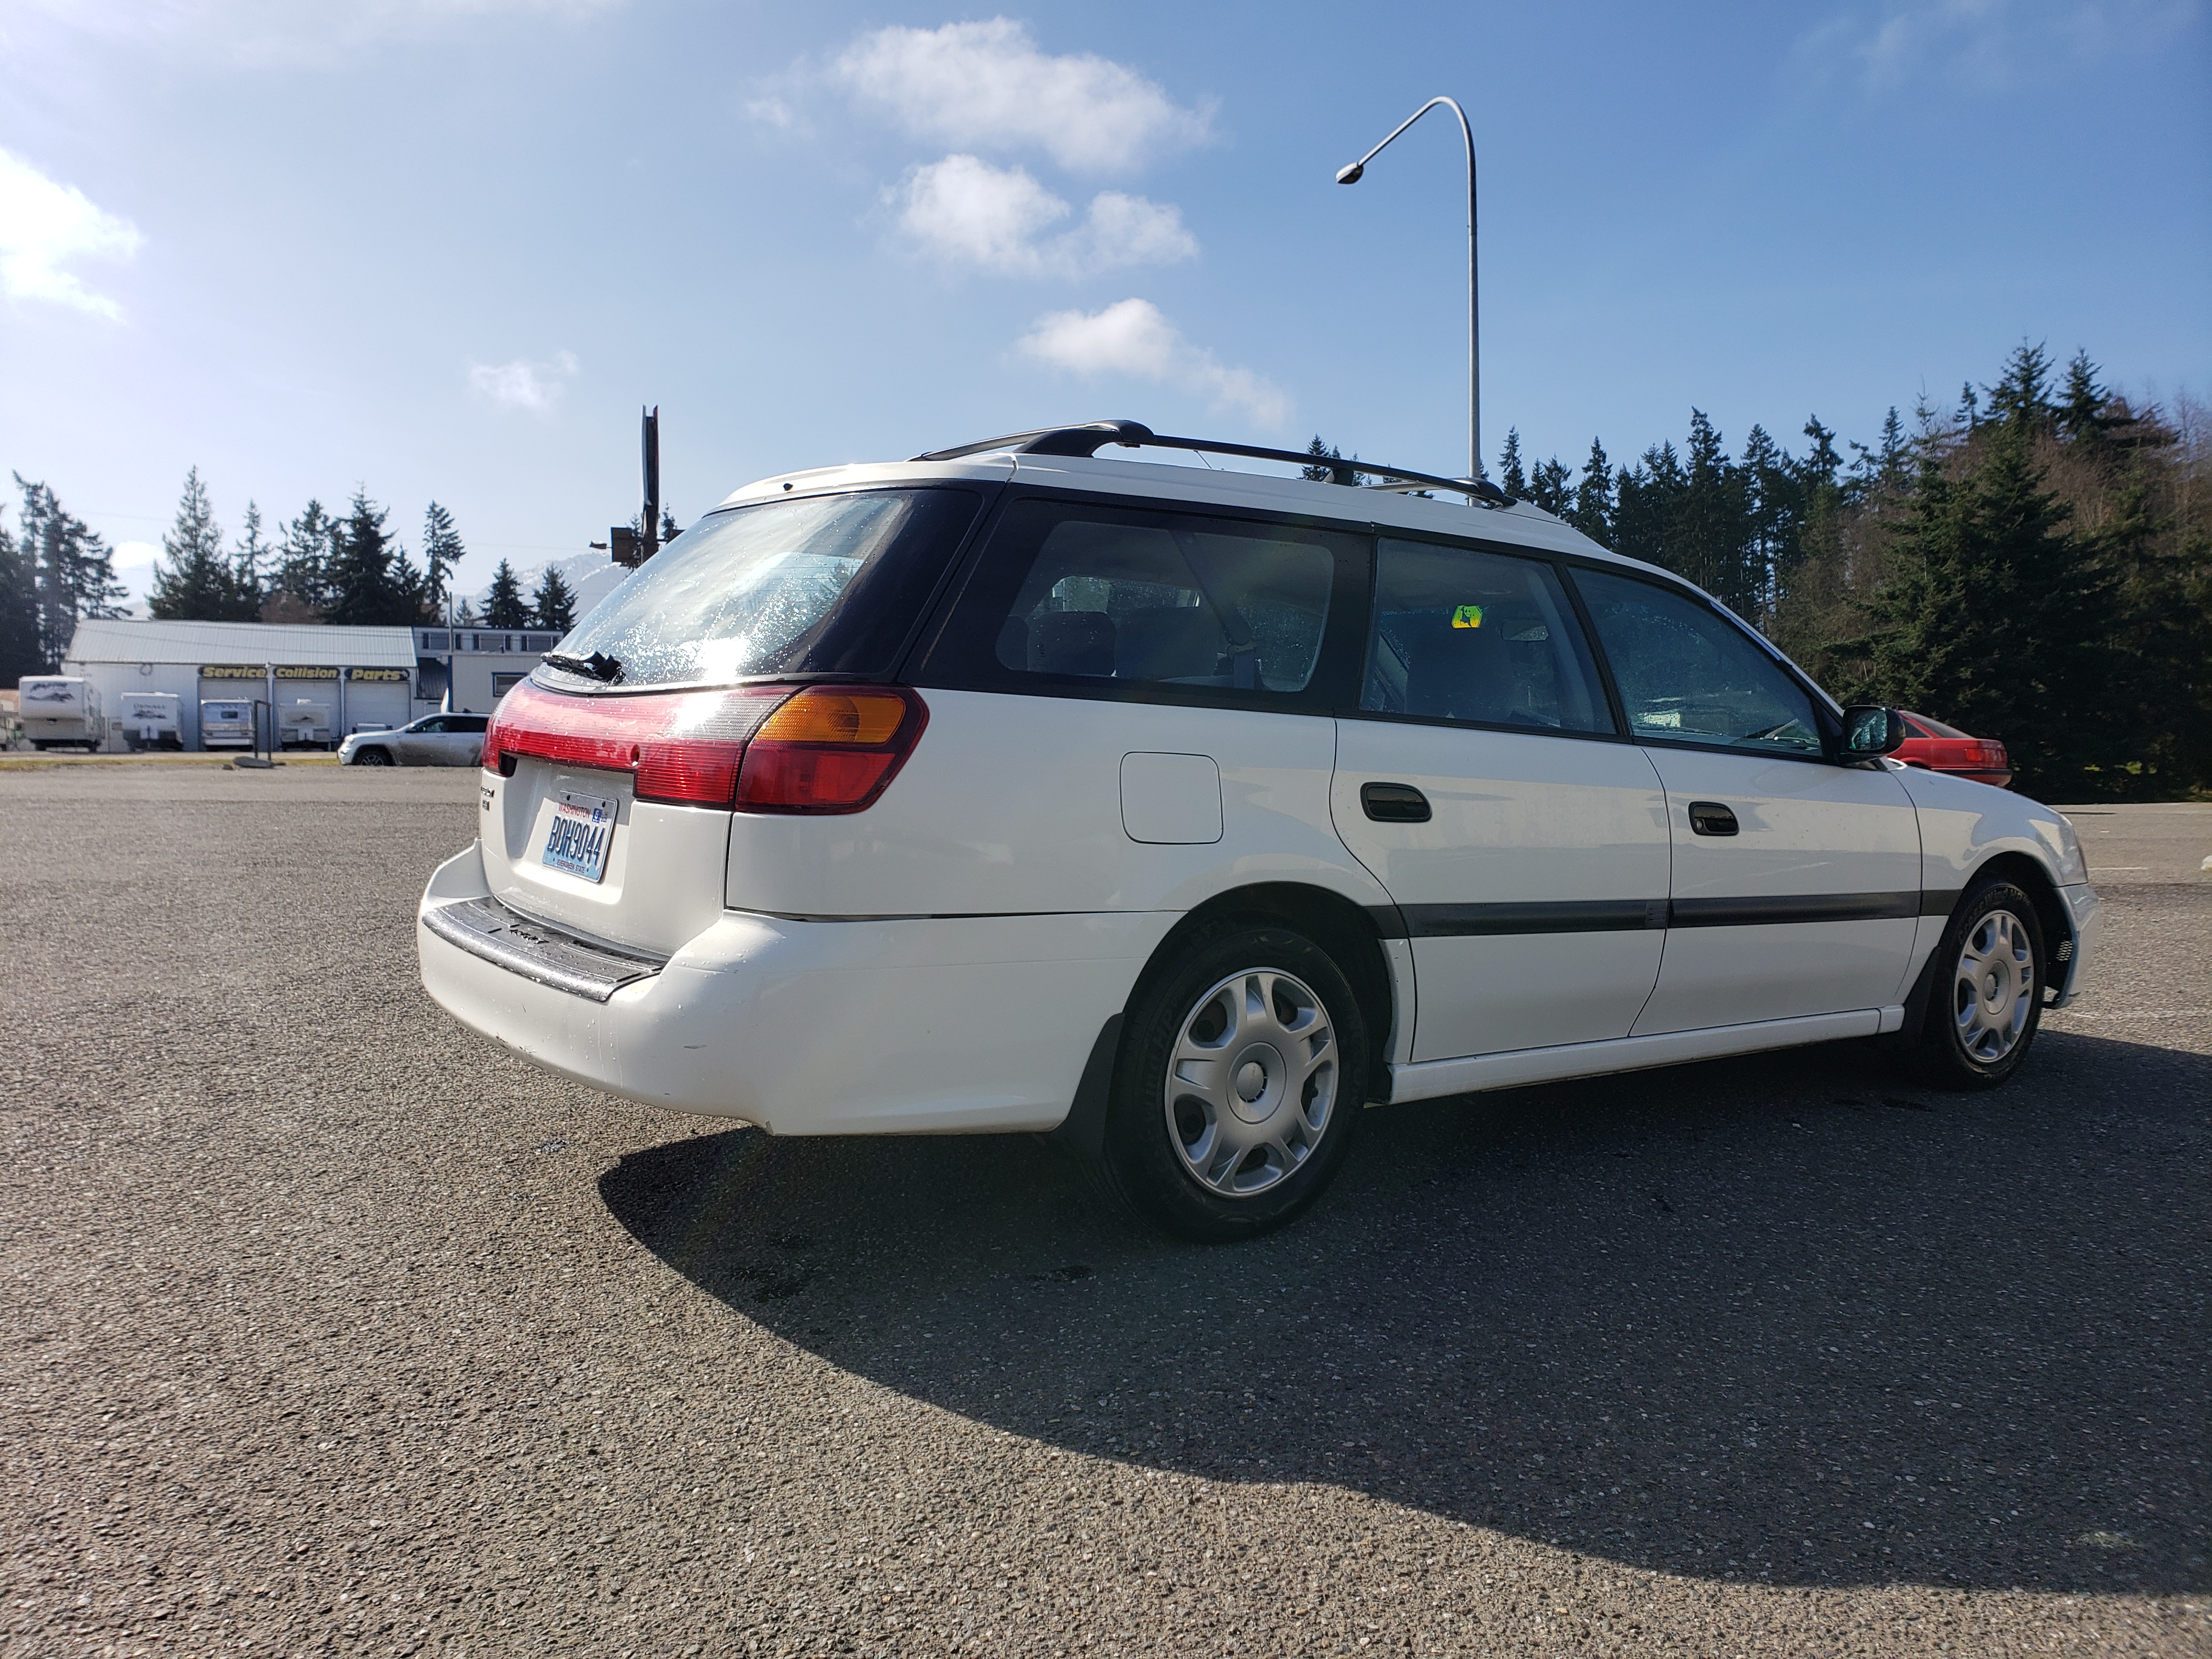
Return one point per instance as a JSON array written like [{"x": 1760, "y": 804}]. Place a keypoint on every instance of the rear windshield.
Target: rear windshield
[{"x": 821, "y": 585}]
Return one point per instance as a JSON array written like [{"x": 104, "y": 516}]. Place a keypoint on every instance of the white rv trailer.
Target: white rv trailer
[
  {"x": 304, "y": 725},
  {"x": 150, "y": 719},
  {"x": 226, "y": 723},
  {"x": 61, "y": 711}
]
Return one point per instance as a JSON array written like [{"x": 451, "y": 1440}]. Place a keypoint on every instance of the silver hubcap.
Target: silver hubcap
[
  {"x": 1994, "y": 990},
  {"x": 1251, "y": 1083}
]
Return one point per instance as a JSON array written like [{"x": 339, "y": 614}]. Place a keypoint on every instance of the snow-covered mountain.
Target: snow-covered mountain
[{"x": 592, "y": 576}]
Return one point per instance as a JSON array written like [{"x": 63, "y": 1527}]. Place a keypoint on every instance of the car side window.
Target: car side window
[
  {"x": 1459, "y": 635},
  {"x": 1137, "y": 598},
  {"x": 435, "y": 723},
  {"x": 474, "y": 723},
  {"x": 1687, "y": 674}
]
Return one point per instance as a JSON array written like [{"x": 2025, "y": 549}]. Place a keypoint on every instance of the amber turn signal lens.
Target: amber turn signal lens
[{"x": 820, "y": 715}]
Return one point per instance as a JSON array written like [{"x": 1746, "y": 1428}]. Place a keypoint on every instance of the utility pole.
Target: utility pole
[{"x": 632, "y": 547}]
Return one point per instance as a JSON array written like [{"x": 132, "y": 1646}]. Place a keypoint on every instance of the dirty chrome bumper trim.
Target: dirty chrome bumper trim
[{"x": 485, "y": 927}]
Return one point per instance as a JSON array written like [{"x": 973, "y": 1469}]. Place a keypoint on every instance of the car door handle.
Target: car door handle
[
  {"x": 1394, "y": 803},
  {"x": 1709, "y": 817}
]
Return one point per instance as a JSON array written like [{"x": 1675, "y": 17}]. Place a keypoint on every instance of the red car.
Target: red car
[{"x": 1942, "y": 748}]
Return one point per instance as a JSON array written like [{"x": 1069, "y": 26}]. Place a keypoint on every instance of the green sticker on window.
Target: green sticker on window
[{"x": 1468, "y": 615}]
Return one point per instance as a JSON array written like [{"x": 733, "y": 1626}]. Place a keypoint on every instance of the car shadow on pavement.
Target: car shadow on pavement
[{"x": 1789, "y": 1318}]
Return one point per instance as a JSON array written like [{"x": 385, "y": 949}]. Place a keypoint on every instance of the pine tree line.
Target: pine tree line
[
  {"x": 2035, "y": 566},
  {"x": 350, "y": 569},
  {"x": 53, "y": 570}
]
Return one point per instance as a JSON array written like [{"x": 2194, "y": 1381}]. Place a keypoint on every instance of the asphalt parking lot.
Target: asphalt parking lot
[{"x": 332, "y": 1327}]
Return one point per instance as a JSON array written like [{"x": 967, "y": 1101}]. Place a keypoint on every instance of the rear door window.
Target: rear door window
[
  {"x": 1480, "y": 638},
  {"x": 1108, "y": 599},
  {"x": 822, "y": 583}
]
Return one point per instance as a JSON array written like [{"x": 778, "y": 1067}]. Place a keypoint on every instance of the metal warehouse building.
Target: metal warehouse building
[{"x": 367, "y": 677}]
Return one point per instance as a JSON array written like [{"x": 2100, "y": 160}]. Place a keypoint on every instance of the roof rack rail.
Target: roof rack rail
[{"x": 1088, "y": 439}]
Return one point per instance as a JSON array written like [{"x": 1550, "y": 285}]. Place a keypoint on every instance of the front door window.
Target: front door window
[{"x": 1687, "y": 674}]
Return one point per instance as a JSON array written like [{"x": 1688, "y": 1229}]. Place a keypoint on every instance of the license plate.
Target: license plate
[{"x": 583, "y": 829}]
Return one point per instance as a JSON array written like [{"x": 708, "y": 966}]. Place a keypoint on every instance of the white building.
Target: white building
[
  {"x": 368, "y": 676},
  {"x": 471, "y": 668}
]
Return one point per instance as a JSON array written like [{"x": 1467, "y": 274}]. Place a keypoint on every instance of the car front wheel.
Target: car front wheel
[
  {"x": 1985, "y": 999},
  {"x": 372, "y": 757},
  {"x": 1239, "y": 1086}
]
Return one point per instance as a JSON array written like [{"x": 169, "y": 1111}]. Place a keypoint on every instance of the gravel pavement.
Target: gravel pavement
[{"x": 332, "y": 1327}]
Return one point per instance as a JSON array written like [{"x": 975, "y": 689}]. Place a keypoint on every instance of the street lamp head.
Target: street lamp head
[{"x": 1351, "y": 175}]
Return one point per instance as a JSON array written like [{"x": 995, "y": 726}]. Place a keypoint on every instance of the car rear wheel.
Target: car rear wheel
[
  {"x": 1986, "y": 995},
  {"x": 372, "y": 757},
  {"x": 1239, "y": 1086}
]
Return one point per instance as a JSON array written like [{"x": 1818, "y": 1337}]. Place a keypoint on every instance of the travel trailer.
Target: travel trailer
[
  {"x": 149, "y": 719},
  {"x": 61, "y": 712},
  {"x": 304, "y": 725},
  {"x": 226, "y": 723}
]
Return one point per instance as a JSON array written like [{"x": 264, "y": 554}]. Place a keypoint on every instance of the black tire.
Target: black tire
[
  {"x": 1289, "y": 987},
  {"x": 1962, "y": 1028},
  {"x": 372, "y": 757}
]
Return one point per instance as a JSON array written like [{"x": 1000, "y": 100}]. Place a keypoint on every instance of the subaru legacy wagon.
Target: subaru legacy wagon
[{"x": 1187, "y": 813}]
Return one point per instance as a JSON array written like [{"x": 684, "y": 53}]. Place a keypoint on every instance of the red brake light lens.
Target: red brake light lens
[
  {"x": 762, "y": 749},
  {"x": 830, "y": 749},
  {"x": 682, "y": 746}
]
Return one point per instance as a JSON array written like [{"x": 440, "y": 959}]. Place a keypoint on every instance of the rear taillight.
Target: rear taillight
[
  {"x": 830, "y": 749},
  {"x": 764, "y": 749}
]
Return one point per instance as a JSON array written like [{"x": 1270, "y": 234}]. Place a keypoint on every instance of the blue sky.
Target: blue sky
[{"x": 446, "y": 248}]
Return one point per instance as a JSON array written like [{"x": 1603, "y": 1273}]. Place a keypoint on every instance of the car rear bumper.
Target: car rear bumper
[{"x": 913, "y": 1025}]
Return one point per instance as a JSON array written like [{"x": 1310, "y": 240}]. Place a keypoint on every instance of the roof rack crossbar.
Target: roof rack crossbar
[{"x": 1088, "y": 439}]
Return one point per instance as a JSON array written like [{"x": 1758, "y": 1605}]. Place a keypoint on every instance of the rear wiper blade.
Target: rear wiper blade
[{"x": 596, "y": 666}]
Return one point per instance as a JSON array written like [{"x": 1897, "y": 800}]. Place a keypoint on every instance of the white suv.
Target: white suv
[{"x": 1187, "y": 812}]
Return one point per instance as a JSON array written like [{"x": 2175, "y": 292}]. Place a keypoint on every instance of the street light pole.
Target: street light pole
[{"x": 1351, "y": 175}]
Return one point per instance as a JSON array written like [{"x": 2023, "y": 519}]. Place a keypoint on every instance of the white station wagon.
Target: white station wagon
[{"x": 1187, "y": 812}]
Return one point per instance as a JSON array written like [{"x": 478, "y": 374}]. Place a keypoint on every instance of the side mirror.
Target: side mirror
[{"x": 1871, "y": 731}]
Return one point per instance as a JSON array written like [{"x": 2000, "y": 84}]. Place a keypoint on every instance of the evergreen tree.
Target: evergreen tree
[
  {"x": 2021, "y": 397},
  {"x": 303, "y": 563},
  {"x": 554, "y": 604},
  {"x": 1551, "y": 487},
  {"x": 1328, "y": 465},
  {"x": 19, "y": 614},
  {"x": 464, "y": 616},
  {"x": 252, "y": 563},
  {"x": 372, "y": 581},
  {"x": 669, "y": 532},
  {"x": 70, "y": 570},
  {"x": 1592, "y": 511},
  {"x": 504, "y": 605},
  {"x": 1510, "y": 478},
  {"x": 441, "y": 552},
  {"x": 197, "y": 583},
  {"x": 1994, "y": 612},
  {"x": 1648, "y": 498},
  {"x": 1711, "y": 530},
  {"x": 1774, "y": 501}
]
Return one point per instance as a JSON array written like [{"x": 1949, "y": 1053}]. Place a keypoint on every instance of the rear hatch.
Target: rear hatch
[{"x": 730, "y": 673}]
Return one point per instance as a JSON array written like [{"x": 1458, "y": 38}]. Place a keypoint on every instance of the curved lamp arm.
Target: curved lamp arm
[{"x": 1352, "y": 174}]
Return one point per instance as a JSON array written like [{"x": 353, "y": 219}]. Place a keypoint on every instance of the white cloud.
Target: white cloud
[
  {"x": 1131, "y": 337},
  {"x": 44, "y": 227},
  {"x": 985, "y": 86},
  {"x": 534, "y": 388},
  {"x": 1990, "y": 44},
  {"x": 965, "y": 210}
]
